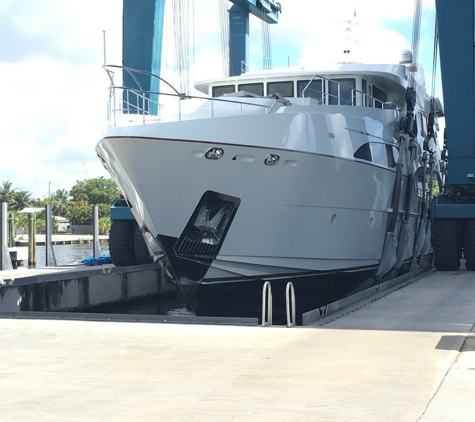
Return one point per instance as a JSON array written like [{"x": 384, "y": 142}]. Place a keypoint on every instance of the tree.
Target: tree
[
  {"x": 80, "y": 213},
  {"x": 60, "y": 202},
  {"x": 95, "y": 191},
  {"x": 21, "y": 221},
  {"x": 21, "y": 199},
  {"x": 39, "y": 202},
  {"x": 7, "y": 194},
  {"x": 104, "y": 225}
]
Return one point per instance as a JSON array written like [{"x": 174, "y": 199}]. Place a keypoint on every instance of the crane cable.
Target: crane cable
[
  {"x": 266, "y": 42},
  {"x": 182, "y": 37},
  {"x": 416, "y": 31},
  {"x": 435, "y": 57},
  {"x": 224, "y": 24}
]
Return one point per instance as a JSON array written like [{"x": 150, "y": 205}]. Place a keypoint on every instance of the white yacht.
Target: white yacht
[{"x": 318, "y": 177}]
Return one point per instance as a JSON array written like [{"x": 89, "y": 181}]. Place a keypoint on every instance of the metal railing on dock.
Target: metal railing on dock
[
  {"x": 290, "y": 304},
  {"x": 266, "y": 304}
]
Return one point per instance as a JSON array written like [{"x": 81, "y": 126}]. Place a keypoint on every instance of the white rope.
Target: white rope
[
  {"x": 224, "y": 24},
  {"x": 182, "y": 37},
  {"x": 266, "y": 43},
  {"x": 416, "y": 30},
  {"x": 435, "y": 55},
  {"x": 192, "y": 81}
]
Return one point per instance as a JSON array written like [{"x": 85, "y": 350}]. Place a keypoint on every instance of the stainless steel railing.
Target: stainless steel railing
[
  {"x": 326, "y": 96},
  {"x": 290, "y": 304},
  {"x": 137, "y": 101},
  {"x": 266, "y": 316},
  {"x": 142, "y": 105},
  {"x": 266, "y": 304}
]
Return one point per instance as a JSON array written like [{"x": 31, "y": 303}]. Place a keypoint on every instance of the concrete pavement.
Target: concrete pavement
[{"x": 394, "y": 359}]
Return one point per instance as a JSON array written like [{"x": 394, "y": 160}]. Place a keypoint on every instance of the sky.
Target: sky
[{"x": 54, "y": 90}]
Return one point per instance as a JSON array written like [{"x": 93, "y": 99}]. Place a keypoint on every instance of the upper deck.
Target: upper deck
[
  {"x": 370, "y": 86},
  {"x": 378, "y": 86}
]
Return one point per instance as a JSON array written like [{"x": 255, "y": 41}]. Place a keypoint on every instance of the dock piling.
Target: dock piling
[
  {"x": 31, "y": 240},
  {"x": 11, "y": 227},
  {"x": 50, "y": 259},
  {"x": 6, "y": 262},
  {"x": 96, "y": 245}
]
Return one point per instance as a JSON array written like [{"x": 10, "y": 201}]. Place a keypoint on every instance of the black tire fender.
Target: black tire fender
[
  {"x": 446, "y": 241},
  {"x": 142, "y": 253},
  {"x": 121, "y": 243}
]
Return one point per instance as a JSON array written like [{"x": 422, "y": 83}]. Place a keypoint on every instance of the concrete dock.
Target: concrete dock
[
  {"x": 75, "y": 287},
  {"x": 407, "y": 355}
]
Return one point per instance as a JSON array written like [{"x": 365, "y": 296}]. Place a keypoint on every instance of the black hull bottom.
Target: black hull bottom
[{"x": 243, "y": 298}]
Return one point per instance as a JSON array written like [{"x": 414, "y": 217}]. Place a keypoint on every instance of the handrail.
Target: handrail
[
  {"x": 131, "y": 71},
  {"x": 198, "y": 97},
  {"x": 141, "y": 102},
  {"x": 266, "y": 291},
  {"x": 346, "y": 86},
  {"x": 306, "y": 86},
  {"x": 290, "y": 293}
]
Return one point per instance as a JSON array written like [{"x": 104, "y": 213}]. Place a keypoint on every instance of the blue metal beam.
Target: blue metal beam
[
  {"x": 267, "y": 10},
  {"x": 142, "y": 41},
  {"x": 238, "y": 39},
  {"x": 457, "y": 62}
]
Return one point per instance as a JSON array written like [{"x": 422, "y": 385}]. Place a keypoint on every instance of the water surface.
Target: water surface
[{"x": 68, "y": 254}]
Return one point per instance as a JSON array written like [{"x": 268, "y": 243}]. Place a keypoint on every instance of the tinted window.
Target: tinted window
[
  {"x": 393, "y": 156},
  {"x": 286, "y": 89},
  {"x": 218, "y": 91},
  {"x": 382, "y": 154},
  {"x": 380, "y": 95},
  {"x": 367, "y": 101},
  {"x": 257, "y": 89},
  {"x": 314, "y": 90},
  {"x": 364, "y": 153},
  {"x": 342, "y": 91}
]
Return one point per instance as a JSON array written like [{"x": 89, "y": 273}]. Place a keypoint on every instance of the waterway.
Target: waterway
[{"x": 68, "y": 254}]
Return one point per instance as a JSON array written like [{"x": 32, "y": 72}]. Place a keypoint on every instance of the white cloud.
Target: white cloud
[{"x": 54, "y": 95}]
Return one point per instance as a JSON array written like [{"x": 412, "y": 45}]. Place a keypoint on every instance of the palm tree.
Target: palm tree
[
  {"x": 21, "y": 199},
  {"x": 104, "y": 225},
  {"x": 60, "y": 202},
  {"x": 21, "y": 221},
  {"x": 7, "y": 194}
]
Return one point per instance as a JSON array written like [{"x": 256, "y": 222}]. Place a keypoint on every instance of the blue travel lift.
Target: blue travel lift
[
  {"x": 453, "y": 211},
  {"x": 267, "y": 10}
]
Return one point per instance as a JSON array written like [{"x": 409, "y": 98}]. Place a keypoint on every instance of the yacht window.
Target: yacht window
[
  {"x": 380, "y": 96},
  {"x": 366, "y": 89},
  {"x": 342, "y": 91},
  {"x": 393, "y": 155},
  {"x": 286, "y": 89},
  {"x": 382, "y": 154},
  {"x": 314, "y": 90},
  {"x": 218, "y": 91},
  {"x": 423, "y": 125},
  {"x": 364, "y": 153},
  {"x": 257, "y": 88}
]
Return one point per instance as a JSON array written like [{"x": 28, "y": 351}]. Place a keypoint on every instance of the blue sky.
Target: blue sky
[{"x": 54, "y": 90}]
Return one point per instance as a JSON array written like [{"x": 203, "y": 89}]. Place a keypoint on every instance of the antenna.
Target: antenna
[
  {"x": 85, "y": 174},
  {"x": 104, "y": 45}
]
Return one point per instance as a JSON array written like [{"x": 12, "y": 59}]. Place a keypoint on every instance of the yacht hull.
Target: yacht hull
[{"x": 316, "y": 220}]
